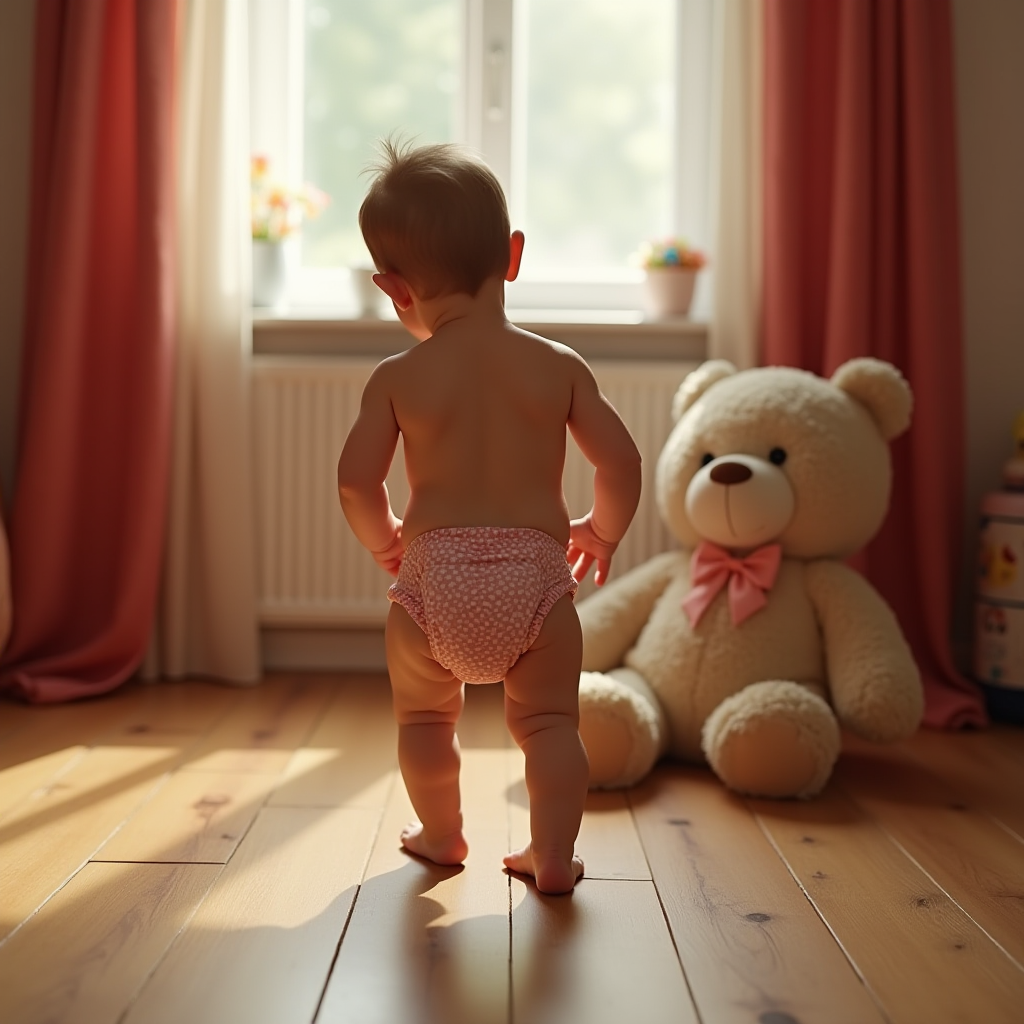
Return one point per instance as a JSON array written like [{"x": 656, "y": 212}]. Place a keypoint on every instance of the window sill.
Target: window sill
[{"x": 595, "y": 334}]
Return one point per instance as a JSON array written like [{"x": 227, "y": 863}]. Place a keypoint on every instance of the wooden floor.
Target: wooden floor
[{"x": 188, "y": 853}]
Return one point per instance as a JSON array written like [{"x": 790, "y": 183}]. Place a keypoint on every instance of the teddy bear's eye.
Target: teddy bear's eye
[
  {"x": 706, "y": 458},
  {"x": 777, "y": 456}
]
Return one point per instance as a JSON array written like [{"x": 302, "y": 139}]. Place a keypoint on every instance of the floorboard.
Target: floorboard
[
  {"x": 260, "y": 947},
  {"x": 267, "y": 725},
  {"x": 428, "y": 943},
  {"x": 190, "y": 853},
  {"x": 572, "y": 954},
  {"x": 985, "y": 768},
  {"x": 99, "y": 938},
  {"x": 918, "y": 952},
  {"x": 350, "y": 758},
  {"x": 603, "y": 955},
  {"x": 979, "y": 865},
  {"x": 49, "y": 739},
  {"x": 194, "y": 817},
  {"x": 54, "y": 832},
  {"x": 751, "y": 945}
]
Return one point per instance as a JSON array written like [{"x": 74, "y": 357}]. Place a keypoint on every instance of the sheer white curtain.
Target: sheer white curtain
[
  {"x": 207, "y": 621},
  {"x": 736, "y": 173}
]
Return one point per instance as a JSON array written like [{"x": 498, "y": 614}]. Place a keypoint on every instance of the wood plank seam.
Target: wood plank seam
[
  {"x": 115, "y": 860},
  {"x": 510, "y": 1011},
  {"x": 159, "y": 773},
  {"x": 86, "y": 860},
  {"x": 355, "y": 900},
  {"x": 880, "y": 825},
  {"x": 876, "y": 999},
  {"x": 661, "y": 904},
  {"x": 174, "y": 762},
  {"x": 92, "y": 744},
  {"x": 337, "y": 947},
  {"x": 1007, "y": 828},
  {"x": 174, "y": 941}
]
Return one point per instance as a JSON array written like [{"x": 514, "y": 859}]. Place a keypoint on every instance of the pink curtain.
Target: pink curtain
[
  {"x": 862, "y": 258},
  {"x": 87, "y": 523},
  {"x": 5, "y": 583}
]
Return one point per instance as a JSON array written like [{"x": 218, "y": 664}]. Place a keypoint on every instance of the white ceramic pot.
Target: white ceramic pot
[
  {"x": 366, "y": 294},
  {"x": 269, "y": 272},
  {"x": 669, "y": 290}
]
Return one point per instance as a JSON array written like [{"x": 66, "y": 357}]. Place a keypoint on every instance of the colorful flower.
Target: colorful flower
[
  {"x": 278, "y": 211},
  {"x": 671, "y": 252}
]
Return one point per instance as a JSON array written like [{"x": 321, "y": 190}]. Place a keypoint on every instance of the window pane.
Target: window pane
[
  {"x": 593, "y": 149},
  {"x": 372, "y": 67}
]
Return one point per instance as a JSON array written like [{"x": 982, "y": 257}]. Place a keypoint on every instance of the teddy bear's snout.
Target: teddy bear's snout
[
  {"x": 730, "y": 473},
  {"x": 739, "y": 517}
]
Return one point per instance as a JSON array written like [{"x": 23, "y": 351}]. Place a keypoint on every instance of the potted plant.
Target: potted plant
[
  {"x": 278, "y": 213},
  {"x": 670, "y": 272}
]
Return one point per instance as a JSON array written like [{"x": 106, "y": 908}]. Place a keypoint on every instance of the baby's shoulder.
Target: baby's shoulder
[
  {"x": 555, "y": 356},
  {"x": 391, "y": 377}
]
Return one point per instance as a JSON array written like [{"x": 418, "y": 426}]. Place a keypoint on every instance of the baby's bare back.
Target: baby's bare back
[{"x": 483, "y": 417}]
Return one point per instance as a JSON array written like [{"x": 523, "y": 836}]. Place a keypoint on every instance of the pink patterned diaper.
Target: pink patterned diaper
[{"x": 480, "y": 594}]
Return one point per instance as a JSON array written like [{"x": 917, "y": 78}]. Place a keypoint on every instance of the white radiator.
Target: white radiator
[{"x": 312, "y": 570}]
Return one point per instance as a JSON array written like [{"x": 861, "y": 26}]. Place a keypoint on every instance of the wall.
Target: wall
[
  {"x": 990, "y": 95},
  {"x": 15, "y": 111}
]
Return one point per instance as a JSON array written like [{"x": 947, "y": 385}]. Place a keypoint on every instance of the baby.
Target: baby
[{"x": 484, "y": 589}]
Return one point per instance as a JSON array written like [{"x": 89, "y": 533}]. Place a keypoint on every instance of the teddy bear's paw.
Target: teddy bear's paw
[
  {"x": 620, "y": 727},
  {"x": 774, "y": 739},
  {"x": 887, "y": 706}
]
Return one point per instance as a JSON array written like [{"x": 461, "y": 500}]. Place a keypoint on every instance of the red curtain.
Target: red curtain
[
  {"x": 87, "y": 522},
  {"x": 862, "y": 258}
]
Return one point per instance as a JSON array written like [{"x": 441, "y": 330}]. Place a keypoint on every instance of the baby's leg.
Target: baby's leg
[
  {"x": 427, "y": 702},
  {"x": 542, "y": 711}
]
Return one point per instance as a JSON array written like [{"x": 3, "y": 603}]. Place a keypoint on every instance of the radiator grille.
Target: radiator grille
[{"x": 312, "y": 570}]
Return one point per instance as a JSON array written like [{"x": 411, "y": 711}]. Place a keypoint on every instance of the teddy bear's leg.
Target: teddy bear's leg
[
  {"x": 775, "y": 739},
  {"x": 622, "y": 727}
]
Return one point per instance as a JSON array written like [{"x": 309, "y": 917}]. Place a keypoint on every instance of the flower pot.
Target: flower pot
[
  {"x": 669, "y": 290},
  {"x": 367, "y": 295},
  {"x": 269, "y": 272}
]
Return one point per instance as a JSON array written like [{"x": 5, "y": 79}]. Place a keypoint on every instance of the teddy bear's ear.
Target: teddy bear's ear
[
  {"x": 696, "y": 383},
  {"x": 881, "y": 389}
]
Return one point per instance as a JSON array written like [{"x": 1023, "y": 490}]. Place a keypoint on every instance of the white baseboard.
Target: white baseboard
[{"x": 339, "y": 650}]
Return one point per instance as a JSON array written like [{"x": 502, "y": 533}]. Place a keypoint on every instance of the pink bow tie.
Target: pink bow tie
[{"x": 748, "y": 578}]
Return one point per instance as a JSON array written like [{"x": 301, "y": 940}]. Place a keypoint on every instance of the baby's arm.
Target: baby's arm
[
  {"x": 364, "y": 463},
  {"x": 607, "y": 445}
]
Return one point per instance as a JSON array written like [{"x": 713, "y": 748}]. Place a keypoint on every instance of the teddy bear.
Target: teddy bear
[{"x": 751, "y": 645}]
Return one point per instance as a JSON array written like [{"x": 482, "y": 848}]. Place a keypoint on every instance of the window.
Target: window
[
  {"x": 371, "y": 68},
  {"x": 594, "y": 114}
]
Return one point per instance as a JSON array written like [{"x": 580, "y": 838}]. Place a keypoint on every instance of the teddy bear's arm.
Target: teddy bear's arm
[
  {"x": 874, "y": 682},
  {"x": 613, "y": 617}
]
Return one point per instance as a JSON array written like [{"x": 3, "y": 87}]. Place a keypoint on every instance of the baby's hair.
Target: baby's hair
[{"x": 437, "y": 216}]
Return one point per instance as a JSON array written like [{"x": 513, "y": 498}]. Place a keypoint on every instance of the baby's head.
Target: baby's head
[{"x": 436, "y": 216}]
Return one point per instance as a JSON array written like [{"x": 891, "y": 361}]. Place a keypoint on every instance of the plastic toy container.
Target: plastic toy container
[{"x": 999, "y": 606}]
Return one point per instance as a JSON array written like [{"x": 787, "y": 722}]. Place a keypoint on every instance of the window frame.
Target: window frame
[{"x": 489, "y": 124}]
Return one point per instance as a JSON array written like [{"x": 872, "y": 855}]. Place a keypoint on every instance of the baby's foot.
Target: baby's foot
[
  {"x": 553, "y": 874},
  {"x": 449, "y": 849}
]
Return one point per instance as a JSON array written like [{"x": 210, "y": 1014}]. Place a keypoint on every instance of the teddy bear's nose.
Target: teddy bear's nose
[{"x": 729, "y": 473}]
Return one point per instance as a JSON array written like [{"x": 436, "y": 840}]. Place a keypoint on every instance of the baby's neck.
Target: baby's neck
[{"x": 487, "y": 307}]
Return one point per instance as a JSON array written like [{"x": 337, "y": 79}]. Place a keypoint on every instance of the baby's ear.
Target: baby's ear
[
  {"x": 881, "y": 389},
  {"x": 696, "y": 383},
  {"x": 395, "y": 288},
  {"x": 515, "y": 254}
]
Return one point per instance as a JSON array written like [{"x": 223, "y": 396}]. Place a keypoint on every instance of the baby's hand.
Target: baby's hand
[
  {"x": 585, "y": 547},
  {"x": 390, "y": 559}
]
